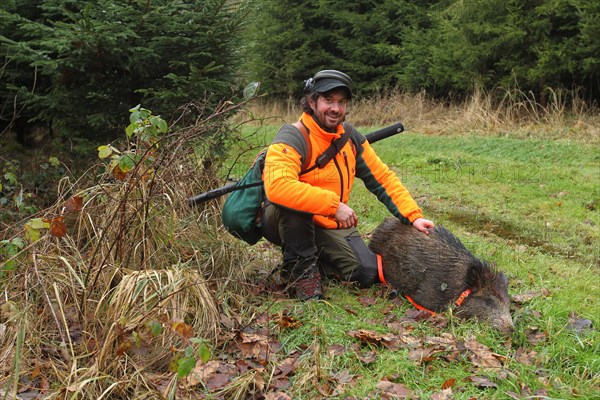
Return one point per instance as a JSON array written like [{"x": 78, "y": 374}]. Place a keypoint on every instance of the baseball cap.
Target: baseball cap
[{"x": 329, "y": 79}]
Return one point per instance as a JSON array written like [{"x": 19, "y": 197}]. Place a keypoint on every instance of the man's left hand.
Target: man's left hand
[{"x": 424, "y": 225}]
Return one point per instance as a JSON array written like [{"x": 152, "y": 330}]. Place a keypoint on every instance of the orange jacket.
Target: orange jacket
[{"x": 320, "y": 191}]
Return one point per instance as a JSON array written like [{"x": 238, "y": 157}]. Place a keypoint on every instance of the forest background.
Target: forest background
[
  {"x": 136, "y": 259},
  {"x": 76, "y": 67}
]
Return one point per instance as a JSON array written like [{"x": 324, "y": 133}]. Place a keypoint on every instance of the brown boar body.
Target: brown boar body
[{"x": 435, "y": 269}]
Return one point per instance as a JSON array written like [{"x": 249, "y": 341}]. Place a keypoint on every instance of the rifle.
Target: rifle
[{"x": 223, "y": 190}]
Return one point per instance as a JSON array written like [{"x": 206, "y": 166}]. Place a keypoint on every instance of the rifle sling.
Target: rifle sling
[{"x": 329, "y": 153}]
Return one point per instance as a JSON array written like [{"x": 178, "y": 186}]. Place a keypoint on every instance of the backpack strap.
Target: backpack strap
[
  {"x": 331, "y": 151},
  {"x": 303, "y": 145},
  {"x": 306, "y": 134}
]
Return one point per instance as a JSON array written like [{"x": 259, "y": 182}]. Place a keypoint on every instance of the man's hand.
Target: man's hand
[
  {"x": 346, "y": 216},
  {"x": 424, "y": 225}
]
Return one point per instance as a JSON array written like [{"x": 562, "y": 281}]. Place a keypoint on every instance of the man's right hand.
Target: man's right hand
[{"x": 346, "y": 216}]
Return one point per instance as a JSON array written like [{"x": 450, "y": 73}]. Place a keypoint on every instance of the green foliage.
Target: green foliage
[
  {"x": 9, "y": 248},
  {"x": 197, "y": 350},
  {"x": 146, "y": 129},
  {"x": 33, "y": 229},
  {"x": 14, "y": 199},
  {"x": 79, "y": 65},
  {"x": 445, "y": 47},
  {"x": 362, "y": 38},
  {"x": 534, "y": 45}
]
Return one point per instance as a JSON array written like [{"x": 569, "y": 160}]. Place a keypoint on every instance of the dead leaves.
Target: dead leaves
[
  {"x": 392, "y": 342},
  {"x": 481, "y": 356},
  {"x": 257, "y": 347},
  {"x": 391, "y": 390},
  {"x": 251, "y": 360},
  {"x": 213, "y": 375},
  {"x": 55, "y": 224},
  {"x": 74, "y": 204},
  {"x": 530, "y": 295}
]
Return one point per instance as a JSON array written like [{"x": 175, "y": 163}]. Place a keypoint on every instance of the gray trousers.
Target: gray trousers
[{"x": 341, "y": 253}]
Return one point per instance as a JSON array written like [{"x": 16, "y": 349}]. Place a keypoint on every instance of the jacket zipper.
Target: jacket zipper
[
  {"x": 341, "y": 178},
  {"x": 347, "y": 168}
]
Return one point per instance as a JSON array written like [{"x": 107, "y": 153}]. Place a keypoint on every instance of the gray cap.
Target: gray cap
[{"x": 329, "y": 79}]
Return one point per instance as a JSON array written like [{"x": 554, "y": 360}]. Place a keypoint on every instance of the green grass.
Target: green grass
[{"x": 530, "y": 206}]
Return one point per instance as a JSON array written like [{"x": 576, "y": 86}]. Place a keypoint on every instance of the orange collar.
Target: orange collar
[
  {"x": 380, "y": 269},
  {"x": 457, "y": 302},
  {"x": 314, "y": 128}
]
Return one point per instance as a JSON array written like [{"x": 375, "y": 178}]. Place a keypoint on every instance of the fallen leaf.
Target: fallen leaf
[
  {"x": 324, "y": 388},
  {"x": 285, "y": 367},
  {"x": 231, "y": 323},
  {"x": 445, "y": 394},
  {"x": 525, "y": 356},
  {"x": 389, "y": 341},
  {"x": 368, "y": 357},
  {"x": 259, "y": 347},
  {"x": 481, "y": 381},
  {"x": 387, "y": 310},
  {"x": 213, "y": 375},
  {"x": 74, "y": 204},
  {"x": 445, "y": 339},
  {"x": 280, "y": 383},
  {"x": 395, "y": 390},
  {"x": 264, "y": 318},
  {"x": 277, "y": 396},
  {"x": 414, "y": 315},
  {"x": 344, "y": 377},
  {"x": 529, "y": 295},
  {"x": 481, "y": 356},
  {"x": 578, "y": 325},
  {"x": 534, "y": 335},
  {"x": 336, "y": 350},
  {"x": 286, "y": 322},
  {"x": 367, "y": 300},
  {"x": 449, "y": 383},
  {"x": 424, "y": 354}
]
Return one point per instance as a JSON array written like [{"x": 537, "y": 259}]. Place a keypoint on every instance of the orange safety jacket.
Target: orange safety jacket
[{"x": 320, "y": 191}]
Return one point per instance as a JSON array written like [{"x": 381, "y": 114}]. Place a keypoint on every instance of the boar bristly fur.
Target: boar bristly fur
[{"x": 435, "y": 269}]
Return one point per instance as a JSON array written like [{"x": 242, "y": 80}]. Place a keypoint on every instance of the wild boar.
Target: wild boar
[{"x": 437, "y": 271}]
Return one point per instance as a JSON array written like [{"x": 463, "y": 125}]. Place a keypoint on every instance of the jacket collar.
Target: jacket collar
[{"x": 314, "y": 128}]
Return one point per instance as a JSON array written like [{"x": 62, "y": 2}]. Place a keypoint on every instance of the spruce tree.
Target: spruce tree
[{"x": 81, "y": 65}]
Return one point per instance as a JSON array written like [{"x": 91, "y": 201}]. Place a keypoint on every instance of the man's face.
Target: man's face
[{"x": 330, "y": 108}]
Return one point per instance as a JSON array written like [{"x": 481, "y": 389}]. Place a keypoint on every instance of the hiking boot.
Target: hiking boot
[{"x": 307, "y": 285}]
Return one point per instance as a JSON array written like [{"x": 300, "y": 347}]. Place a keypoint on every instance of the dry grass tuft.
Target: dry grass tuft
[
  {"x": 98, "y": 312},
  {"x": 499, "y": 113}
]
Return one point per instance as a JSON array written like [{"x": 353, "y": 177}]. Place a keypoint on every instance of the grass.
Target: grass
[
  {"x": 115, "y": 307},
  {"x": 527, "y": 202}
]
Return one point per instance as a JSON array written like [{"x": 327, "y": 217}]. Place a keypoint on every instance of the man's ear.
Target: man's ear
[{"x": 312, "y": 102}]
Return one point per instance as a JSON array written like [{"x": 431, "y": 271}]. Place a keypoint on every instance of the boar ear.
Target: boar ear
[
  {"x": 475, "y": 276},
  {"x": 501, "y": 287}
]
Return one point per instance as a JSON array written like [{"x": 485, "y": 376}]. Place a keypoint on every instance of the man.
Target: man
[{"x": 307, "y": 213}]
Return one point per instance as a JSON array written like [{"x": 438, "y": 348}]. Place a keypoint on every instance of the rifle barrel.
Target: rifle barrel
[{"x": 372, "y": 137}]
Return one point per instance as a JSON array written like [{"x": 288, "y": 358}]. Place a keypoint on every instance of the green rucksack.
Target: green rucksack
[{"x": 242, "y": 210}]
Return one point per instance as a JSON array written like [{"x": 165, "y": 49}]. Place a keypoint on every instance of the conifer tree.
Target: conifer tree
[{"x": 82, "y": 64}]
